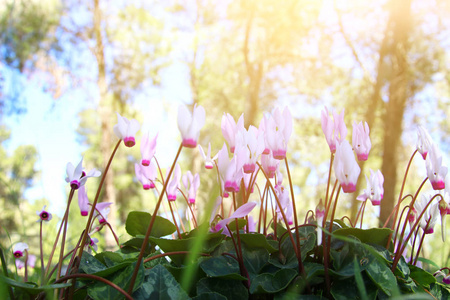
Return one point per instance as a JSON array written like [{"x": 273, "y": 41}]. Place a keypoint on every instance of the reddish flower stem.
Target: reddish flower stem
[
  {"x": 97, "y": 195},
  {"x": 98, "y": 278},
  {"x": 152, "y": 221},
  {"x": 399, "y": 198},
  {"x": 63, "y": 240}
]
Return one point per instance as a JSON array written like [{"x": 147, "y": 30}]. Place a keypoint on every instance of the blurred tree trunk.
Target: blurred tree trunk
[
  {"x": 105, "y": 112},
  {"x": 398, "y": 95}
]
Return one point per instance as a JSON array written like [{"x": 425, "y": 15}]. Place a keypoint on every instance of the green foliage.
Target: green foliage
[{"x": 359, "y": 269}]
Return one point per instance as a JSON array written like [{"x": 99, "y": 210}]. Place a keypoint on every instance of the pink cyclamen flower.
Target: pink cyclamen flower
[
  {"x": 19, "y": 249},
  {"x": 278, "y": 131},
  {"x": 230, "y": 128},
  {"x": 91, "y": 244},
  {"x": 431, "y": 213},
  {"x": 77, "y": 177},
  {"x": 345, "y": 167},
  {"x": 320, "y": 215},
  {"x": 374, "y": 190},
  {"x": 262, "y": 131},
  {"x": 241, "y": 212},
  {"x": 148, "y": 149},
  {"x": 253, "y": 143},
  {"x": 190, "y": 124},
  {"x": 231, "y": 171},
  {"x": 146, "y": 175},
  {"x": 44, "y": 215},
  {"x": 269, "y": 164},
  {"x": 334, "y": 130},
  {"x": 436, "y": 172},
  {"x": 209, "y": 162},
  {"x": 286, "y": 204},
  {"x": 31, "y": 262},
  {"x": 126, "y": 130},
  {"x": 191, "y": 183},
  {"x": 103, "y": 210},
  {"x": 83, "y": 201},
  {"x": 424, "y": 141},
  {"x": 174, "y": 183},
  {"x": 361, "y": 140}
]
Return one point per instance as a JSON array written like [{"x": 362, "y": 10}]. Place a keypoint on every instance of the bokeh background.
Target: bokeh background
[{"x": 67, "y": 67}]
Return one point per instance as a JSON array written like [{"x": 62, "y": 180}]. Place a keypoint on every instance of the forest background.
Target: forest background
[{"x": 67, "y": 67}]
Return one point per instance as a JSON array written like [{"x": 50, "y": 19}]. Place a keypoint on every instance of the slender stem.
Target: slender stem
[
  {"x": 401, "y": 246},
  {"x": 5, "y": 273},
  {"x": 411, "y": 205},
  {"x": 392, "y": 212},
  {"x": 56, "y": 241},
  {"x": 291, "y": 187},
  {"x": 296, "y": 250},
  {"x": 26, "y": 266},
  {"x": 399, "y": 198},
  {"x": 421, "y": 241},
  {"x": 42, "y": 255},
  {"x": 174, "y": 219},
  {"x": 63, "y": 240},
  {"x": 98, "y": 278},
  {"x": 362, "y": 214},
  {"x": 329, "y": 178},
  {"x": 359, "y": 213},
  {"x": 97, "y": 195},
  {"x": 152, "y": 221}
]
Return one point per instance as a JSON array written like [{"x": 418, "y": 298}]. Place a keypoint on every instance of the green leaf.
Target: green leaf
[
  {"x": 109, "y": 258},
  {"x": 222, "y": 266},
  {"x": 359, "y": 280},
  {"x": 138, "y": 221},
  {"x": 440, "y": 291},
  {"x": 272, "y": 283},
  {"x": 210, "y": 296},
  {"x": 100, "y": 290},
  {"x": 378, "y": 236},
  {"x": 257, "y": 240},
  {"x": 90, "y": 265},
  {"x": 31, "y": 287},
  {"x": 231, "y": 289},
  {"x": 347, "y": 289},
  {"x": 421, "y": 276},
  {"x": 382, "y": 276},
  {"x": 254, "y": 259},
  {"x": 160, "y": 284}
]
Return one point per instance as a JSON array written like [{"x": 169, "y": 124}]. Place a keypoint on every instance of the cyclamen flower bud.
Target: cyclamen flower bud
[
  {"x": 361, "y": 140},
  {"x": 126, "y": 130}
]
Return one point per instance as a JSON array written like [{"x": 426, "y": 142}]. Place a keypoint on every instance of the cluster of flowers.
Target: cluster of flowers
[{"x": 259, "y": 149}]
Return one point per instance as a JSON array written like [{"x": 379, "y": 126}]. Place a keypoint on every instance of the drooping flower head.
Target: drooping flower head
[
  {"x": 285, "y": 203},
  {"x": 77, "y": 177},
  {"x": 424, "y": 141},
  {"x": 241, "y": 212},
  {"x": 191, "y": 183},
  {"x": 83, "y": 201},
  {"x": 148, "y": 149},
  {"x": 231, "y": 171},
  {"x": 146, "y": 175},
  {"x": 253, "y": 143},
  {"x": 230, "y": 128},
  {"x": 361, "y": 140},
  {"x": 278, "y": 131},
  {"x": 91, "y": 244},
  {"x": 374, "y": 190},
  {"x": 209, "y": 162},
  {"x": 174, "y": 183},
  {"x": 335, "y": 130},
  {"x": 31, "y": 262},
  {"x": 262, "y": 131},
  {"x": 431, "y": 214},
  {"x": 126, "y": 130},
  {"x": 190, "y": 124},
  {"x": 320, "y": 214},
  {"x": 269, "y": 164},
  {"x": 19, "y": 249},
  {"x": 435, "y": 170},
  {"x": 44, "y": 215},
  {"x": 103, "y": 210},
  {"x": 345, "y": 167}
]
